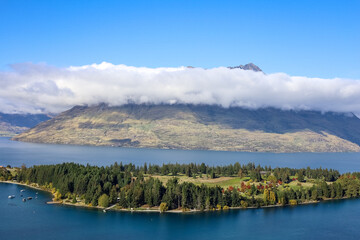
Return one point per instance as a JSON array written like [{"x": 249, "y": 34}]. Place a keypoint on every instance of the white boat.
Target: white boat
[
  {"x": 22, "y": 190},
  {"x": 11, "y": 196}
]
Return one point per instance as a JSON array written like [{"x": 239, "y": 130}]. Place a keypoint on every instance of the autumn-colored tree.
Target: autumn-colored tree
[
  {"x": 244, "y": 204},
  {"x": 272, "y": 198},
  {"x": 272, "y": 179},
  {"x": 163, "y": 207},
  {"x": 266, "y": 196},
  {"x": 57, "y": 196}
]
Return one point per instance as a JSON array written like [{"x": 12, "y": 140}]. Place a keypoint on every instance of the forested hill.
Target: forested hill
[
  {"x": 11, "y": 124},
  {"x": 200, "y": 127}
]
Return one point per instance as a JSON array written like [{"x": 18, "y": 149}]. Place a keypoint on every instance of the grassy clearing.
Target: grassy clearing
[
  {"x": 295, "y": 185},
  {"x": 223, "y": 182}
]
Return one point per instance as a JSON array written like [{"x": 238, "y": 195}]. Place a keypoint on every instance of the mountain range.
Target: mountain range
[
  {"x": 11, "y": 124},
  {"x": 208, "y": 127}
]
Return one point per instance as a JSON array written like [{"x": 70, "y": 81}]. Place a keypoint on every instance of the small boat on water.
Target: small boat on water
[
  {"x": 29, "y": 198},
  {"x": 11, "y": 196},
  {"x": 24, "y": 199},
  {"x": 22, "y": 190}
]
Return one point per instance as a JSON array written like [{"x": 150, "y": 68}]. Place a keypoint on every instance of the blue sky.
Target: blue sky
[{"x": 305, "y": 38}]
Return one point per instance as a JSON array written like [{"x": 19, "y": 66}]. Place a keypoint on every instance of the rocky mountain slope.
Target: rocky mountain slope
[
  {"x": 11, "y": 124},
  {"x": 200, "y": 127}
]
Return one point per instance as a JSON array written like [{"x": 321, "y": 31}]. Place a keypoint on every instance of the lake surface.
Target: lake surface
[
  {"x": 35, "y": 219},
  {"x": 18, "y": 153}
]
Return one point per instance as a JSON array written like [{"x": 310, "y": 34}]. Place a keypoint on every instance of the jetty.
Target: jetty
[{"x": 108, "y": 208}]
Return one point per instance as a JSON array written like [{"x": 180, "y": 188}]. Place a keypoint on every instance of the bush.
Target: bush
[
  {"x": 74, "y": 199},
  {"x": 163, "y": 207},
  {"x": 57, "y": 196},
  {"x": 244, "y": 204},
  {"x": 292, "y": 202},
  {"x": 103, "y": 200},
  {"x": 185, "y": 209},
  {"x": 226, "y": 207}
]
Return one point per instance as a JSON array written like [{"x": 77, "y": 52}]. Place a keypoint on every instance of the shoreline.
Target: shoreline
[
  {"x": 168, "y": 148},
  {"x": 113, "y": 207}
]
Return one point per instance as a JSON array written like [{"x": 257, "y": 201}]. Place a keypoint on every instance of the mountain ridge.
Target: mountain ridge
[
  {"x": 208, "y": 127},
  {"x": 11, "y": 124}
]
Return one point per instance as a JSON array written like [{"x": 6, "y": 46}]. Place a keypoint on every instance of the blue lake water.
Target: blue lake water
[
  {"x": 18, "y": 153},
  {"x": 35, "y": 219}
]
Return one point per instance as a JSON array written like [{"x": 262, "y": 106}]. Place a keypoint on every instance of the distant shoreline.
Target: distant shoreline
[{"x": 175, "y": 148}]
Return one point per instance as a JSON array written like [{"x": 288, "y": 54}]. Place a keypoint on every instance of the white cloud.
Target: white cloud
[{"x": 42, "y": 88}]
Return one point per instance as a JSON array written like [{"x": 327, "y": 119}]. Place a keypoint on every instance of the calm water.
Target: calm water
[
  {"x": 18, "y": 153},
  {"x": 36, "y": 220}
]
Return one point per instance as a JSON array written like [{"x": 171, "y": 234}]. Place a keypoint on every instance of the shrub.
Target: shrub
[
  {"x": 226, "y": 207},
  {"x": 163, "y": 207},
  {"x": 292, "y": 202},
  {"x": 57, "y": 195},
  {"x": 244, "y": 204},
  {"x": 185, "y": 209}
]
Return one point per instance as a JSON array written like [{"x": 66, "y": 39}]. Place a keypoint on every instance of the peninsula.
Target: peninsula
[{"x": 184, "y": 187}]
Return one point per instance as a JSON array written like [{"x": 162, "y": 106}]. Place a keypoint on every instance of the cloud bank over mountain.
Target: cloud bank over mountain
[{"x": 35, "y": 88}]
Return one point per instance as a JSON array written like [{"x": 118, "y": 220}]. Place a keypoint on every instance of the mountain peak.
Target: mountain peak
[{"x": 249, "y": 66}]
